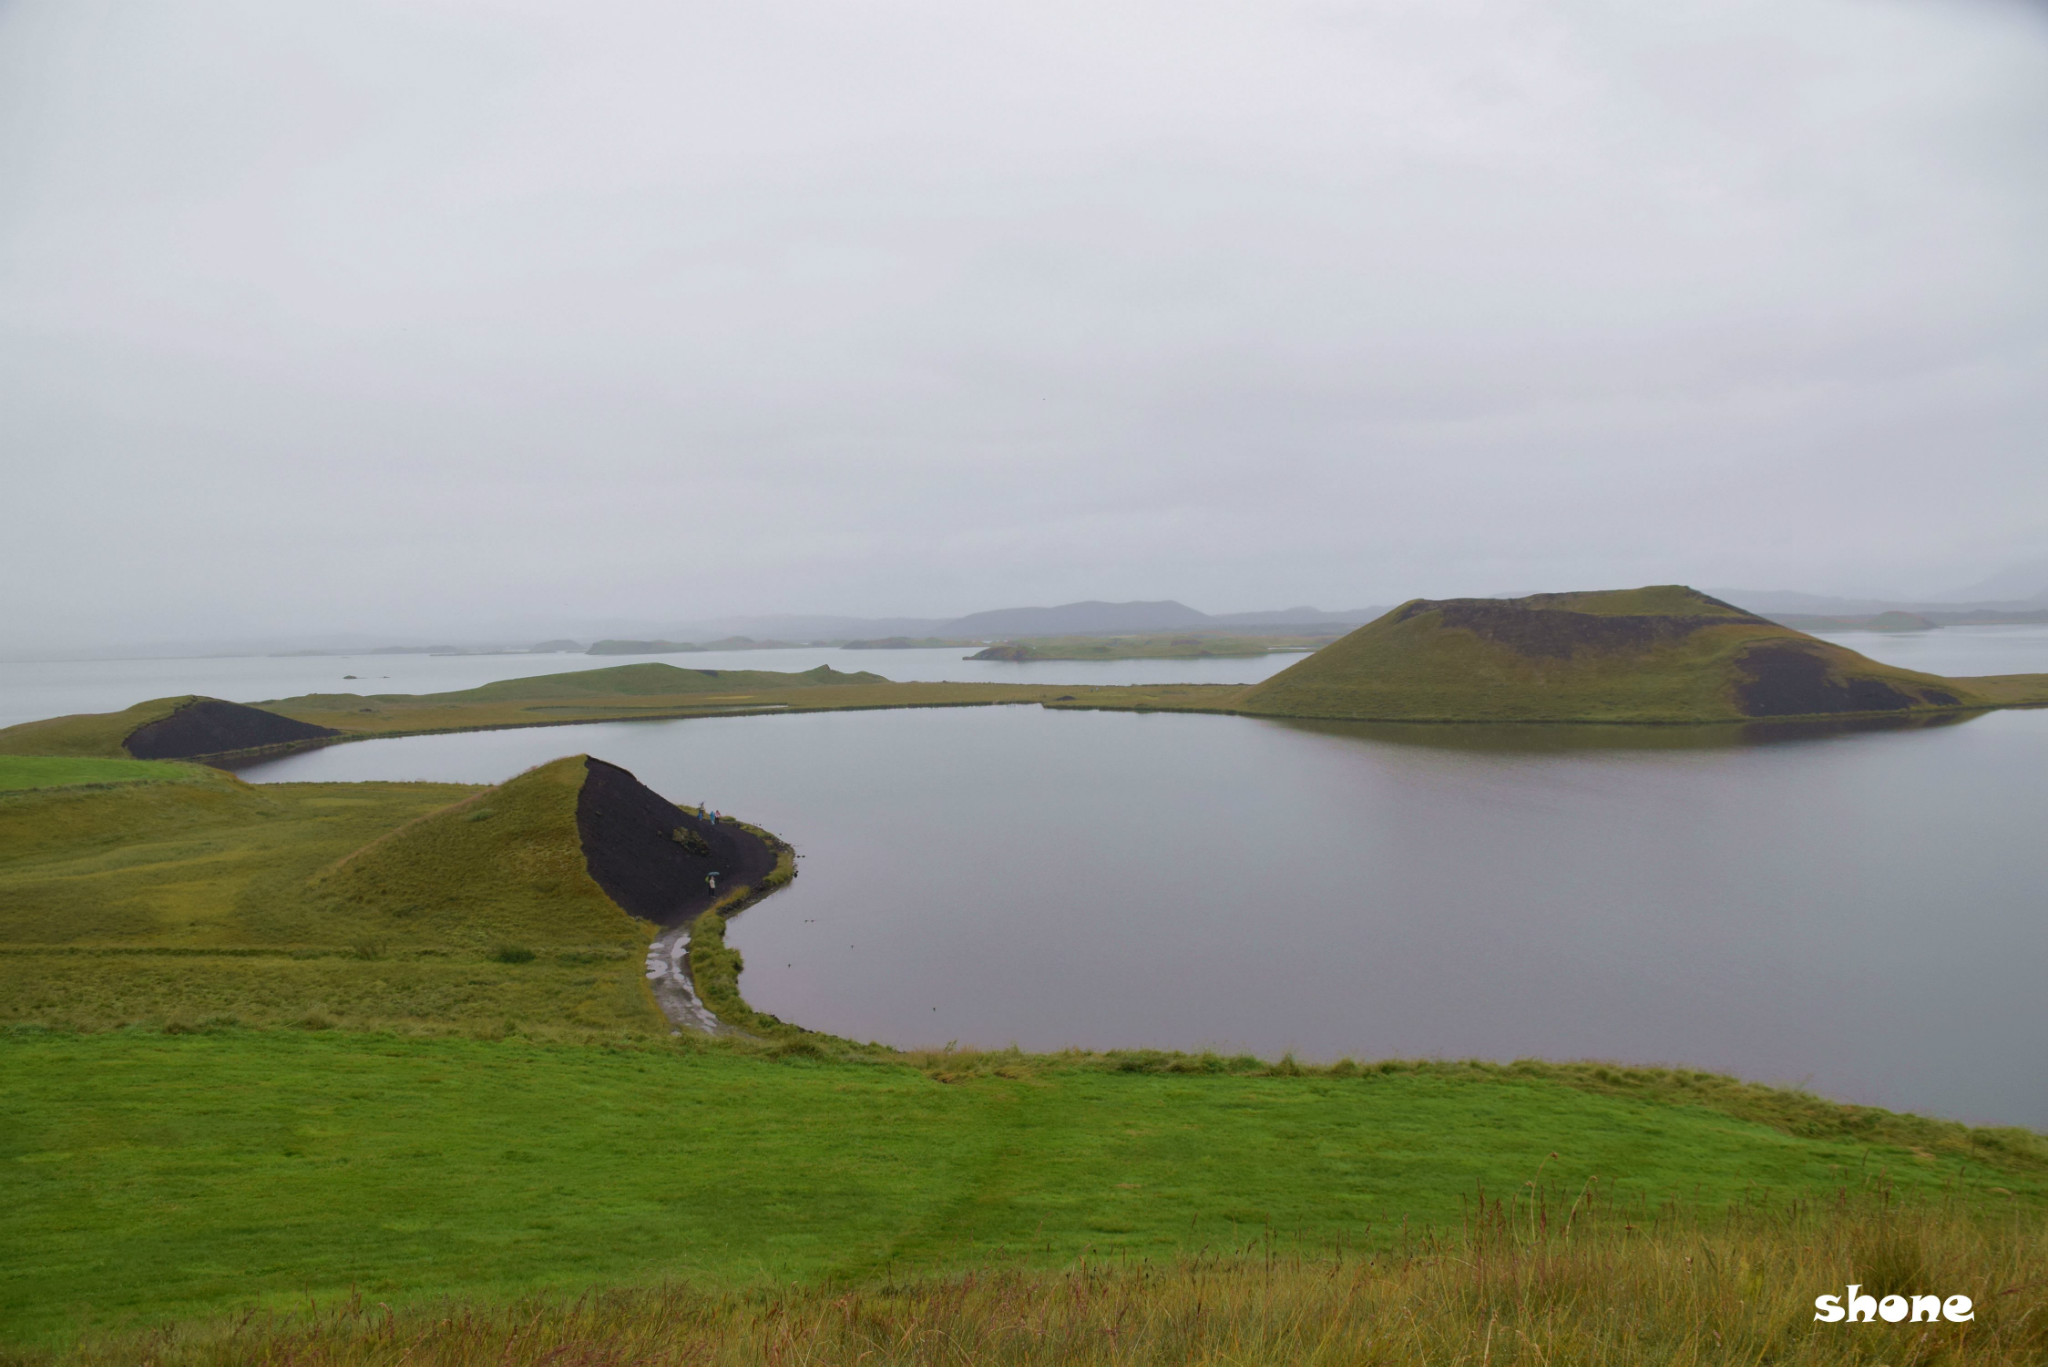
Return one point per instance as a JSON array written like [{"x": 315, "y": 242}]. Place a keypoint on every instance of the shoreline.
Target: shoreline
[
  {"x": 692, "y": 975},
  {"x": 233, "y": 760}
]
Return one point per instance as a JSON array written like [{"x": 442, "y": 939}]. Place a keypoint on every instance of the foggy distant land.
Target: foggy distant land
[
  {"x": 768, "y": 632},
  {"x": 2017, "y": 595}
]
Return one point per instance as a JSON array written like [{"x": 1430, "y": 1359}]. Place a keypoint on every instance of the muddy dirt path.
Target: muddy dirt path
[{"x": 668, "y": 973}]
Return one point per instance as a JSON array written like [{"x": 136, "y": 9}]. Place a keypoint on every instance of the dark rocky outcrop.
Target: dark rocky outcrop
[
  {"x": 1792, "y": 680},
  {"x": 644, "y": 851},
  {"x": 206, "y": 727},
  {"x": 1559, "y": 633}
]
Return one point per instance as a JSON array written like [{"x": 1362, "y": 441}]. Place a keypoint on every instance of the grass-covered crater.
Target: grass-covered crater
[{"x": 1666, "y": 654}]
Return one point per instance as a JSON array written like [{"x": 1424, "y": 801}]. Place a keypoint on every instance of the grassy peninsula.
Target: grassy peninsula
[{"x": 213, "y": 730}]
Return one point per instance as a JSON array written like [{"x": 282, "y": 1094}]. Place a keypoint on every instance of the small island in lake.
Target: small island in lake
[{"x": 1665, "y": 653}]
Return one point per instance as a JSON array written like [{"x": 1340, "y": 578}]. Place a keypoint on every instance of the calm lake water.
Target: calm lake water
[{"x": 1860, "y": 913}]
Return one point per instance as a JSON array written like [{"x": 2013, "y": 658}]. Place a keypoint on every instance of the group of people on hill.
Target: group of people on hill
[{"x": 705, "y": 813}]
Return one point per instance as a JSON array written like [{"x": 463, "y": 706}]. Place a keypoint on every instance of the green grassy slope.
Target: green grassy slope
[
  {"x": 180, "y": 728},
  {"x": 1660, "y": 654},
  {"x": 597, "y": 693},
  {"x": 2010, "y": 690},
  {"x": 163, "y": 1176},
  {"x": 215, "y": 899},
  {"x": 503, "y": 867},
  {"x": 86, "y": 734},
  {"x": 18, "y": 772}
]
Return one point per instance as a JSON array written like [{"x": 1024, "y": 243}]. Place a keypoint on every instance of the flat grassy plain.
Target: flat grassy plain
[
  {"x": 156, "y": 1177},
  {"x": 20, "y": 772},
  {"x": 619, "y": 693},
  {"x": 608, "y": 695}
]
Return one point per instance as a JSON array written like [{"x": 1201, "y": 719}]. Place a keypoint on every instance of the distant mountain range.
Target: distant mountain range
[
  {"x": 1108, "y": 619},
  {"x": 2017, "y": 588},
  {"x": 2026, "y": 583},
  {"x": 1783, "y": 602},
  {"x": 627, "y": 636},
  {"x": 1068, "y": 619}
]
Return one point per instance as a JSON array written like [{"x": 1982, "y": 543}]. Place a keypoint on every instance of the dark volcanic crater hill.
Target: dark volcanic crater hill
[
  {"x": 208, "y": 726},
  {"x": 1666, "y": 653},
  {"x": 653, "y": 858}
]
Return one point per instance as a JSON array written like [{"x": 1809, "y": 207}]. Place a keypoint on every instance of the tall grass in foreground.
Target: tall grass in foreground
[{"x": 1536, "y": 1280}]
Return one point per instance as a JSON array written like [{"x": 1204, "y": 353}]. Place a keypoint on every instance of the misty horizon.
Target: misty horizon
[
  {"x": 814, "y": 628},
  {"x": 442, "y": 317}
]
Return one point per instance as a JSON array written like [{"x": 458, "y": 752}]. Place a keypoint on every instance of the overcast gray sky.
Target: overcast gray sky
[{"x": 400, "y": 316}]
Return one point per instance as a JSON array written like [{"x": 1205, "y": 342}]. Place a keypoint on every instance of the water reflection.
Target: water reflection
[{"x": 1538, "y": 738}]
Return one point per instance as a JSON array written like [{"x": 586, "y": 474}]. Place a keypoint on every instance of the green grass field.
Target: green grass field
[
  {"x": 157, "y": 1176},
  {"x": 217, "y": 900},
  {"x": 21, "y": 772},
  {"x": 97, "y": 735},
  {"x": 1539, "y": 1278}
]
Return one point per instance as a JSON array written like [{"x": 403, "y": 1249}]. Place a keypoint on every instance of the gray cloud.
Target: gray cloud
[{"x": 396, "y": 316}]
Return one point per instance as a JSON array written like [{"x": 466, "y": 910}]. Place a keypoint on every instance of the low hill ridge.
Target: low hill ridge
[
  {"x": 192, "y": 727},
  {"x": 185, "y": 727},
  {"x": 209, "y": 726},
  {"x": 576, "y": 849},
  {"x": 1662, "y": 653},
  {"x": 651, "y": 679}
]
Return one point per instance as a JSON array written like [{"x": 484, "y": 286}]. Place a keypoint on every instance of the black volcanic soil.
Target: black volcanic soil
[
  {"x": 1558, "y": 633},
  {"x": 208, "y": 726},
  {"x": 1790, "y": 680},
  {"x": 629, "y": 845}
]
